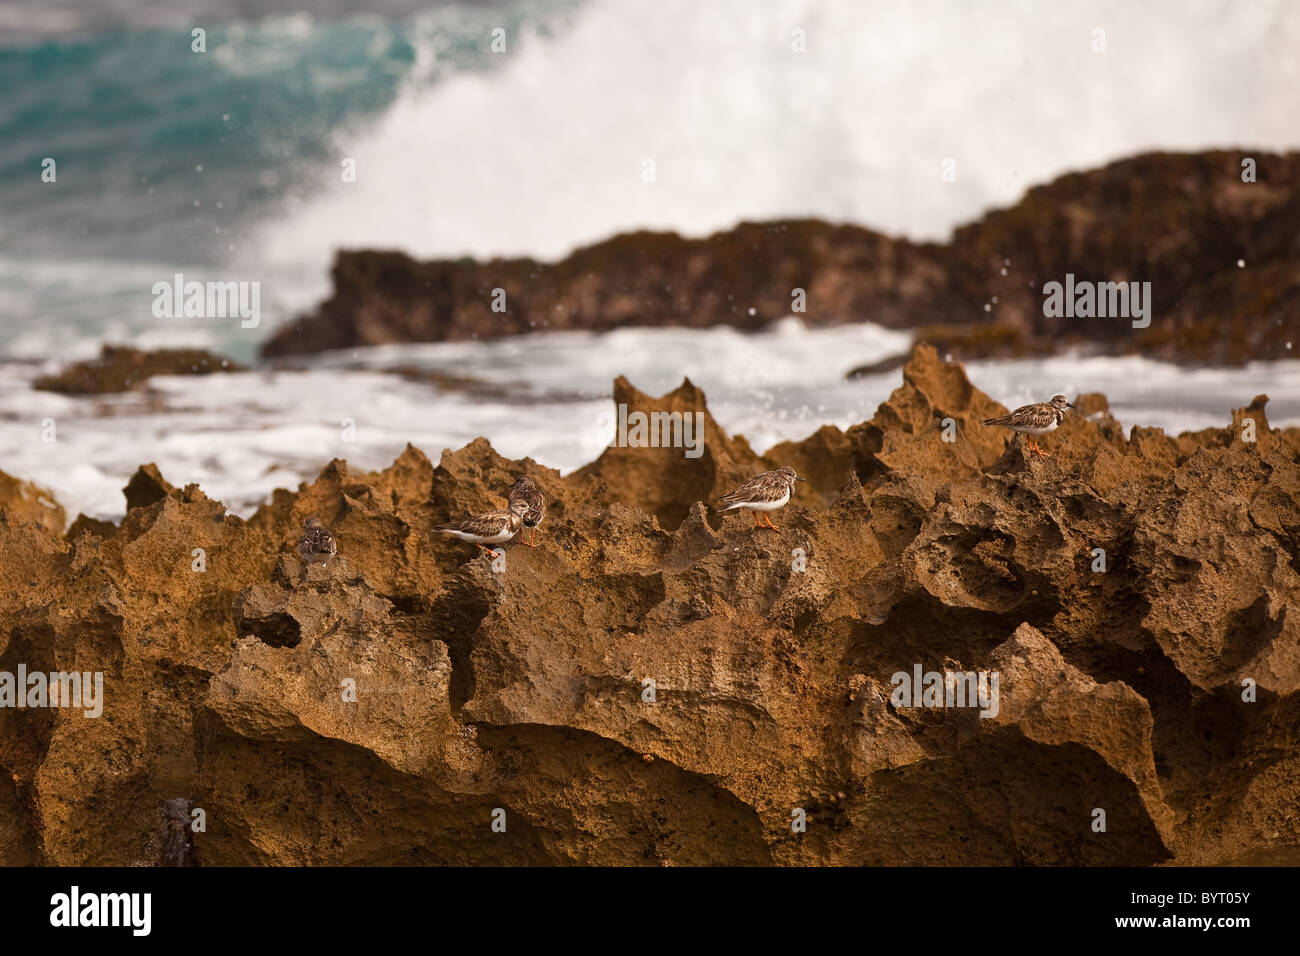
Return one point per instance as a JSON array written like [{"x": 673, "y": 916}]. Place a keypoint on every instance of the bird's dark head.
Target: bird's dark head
[
  {"x": 1059, "y": 402},
  {"x": 523, "y": 483},
  {"x": 518, "y": 508},
  {"x": 313, "y": 522},
  {"x": 789, "y": 474}
]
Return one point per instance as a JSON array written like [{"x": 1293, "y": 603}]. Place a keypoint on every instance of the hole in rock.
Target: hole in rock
[{"x": 278, "y": 630}]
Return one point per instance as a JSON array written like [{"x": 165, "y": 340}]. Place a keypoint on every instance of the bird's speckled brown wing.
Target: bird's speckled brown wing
[
  {"x": 1038, "y": 415},
  {"x": 317, "y": 543},
  {"x": 769, "y": 486},
  {"x": 486, "y": 525}
]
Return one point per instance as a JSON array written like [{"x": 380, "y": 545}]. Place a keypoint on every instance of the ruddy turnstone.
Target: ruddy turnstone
[
  {"x": 765, "y": 492},
  {"x": 491, "y": 527},
  {"x": 1037, "y": 419},
  {"x": 317, "y": 544},
  {"x": 525, "y": 493}
]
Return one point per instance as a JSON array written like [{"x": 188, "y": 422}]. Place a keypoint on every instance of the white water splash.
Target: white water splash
[
  {"x": 242, "y": 435},
  {"x": 545, "y": 151}
]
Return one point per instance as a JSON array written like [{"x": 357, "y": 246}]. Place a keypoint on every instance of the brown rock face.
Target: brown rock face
[
  {"x": 31, "y": 501},
  {"x": 656, "y": 683},
  {"x": 119, "y": 369},
  {"x": 1181, "y": 222},
  {"x": 640, "y": 278}
]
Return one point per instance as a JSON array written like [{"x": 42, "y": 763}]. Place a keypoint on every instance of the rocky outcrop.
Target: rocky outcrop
[
  {"x": 1220, "y": 255},
  {"x": 30, "y": 501},
  {"x": 120, "y": 369},
  {"x": 656, "y": 683}
]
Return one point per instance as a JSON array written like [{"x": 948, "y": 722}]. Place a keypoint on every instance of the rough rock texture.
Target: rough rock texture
[
  {"x": 388, "y": 707},
  {"x": 31, "y": 501},
  {"x": 1179, "y": 221}
]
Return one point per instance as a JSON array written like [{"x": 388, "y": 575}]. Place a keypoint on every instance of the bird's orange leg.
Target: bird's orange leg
[
  {"x": 757, "y": 523},
  {"x": 488, "y": 550},
  {"x": 769, "y": 522},
  {"x": 531, "y": 536}
]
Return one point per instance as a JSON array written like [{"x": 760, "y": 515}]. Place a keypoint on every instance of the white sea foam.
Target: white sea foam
[
  {"x": 545, "y": 151},
  {"x": 540, "y": 149},
  {"x": 242, "y": 435}
]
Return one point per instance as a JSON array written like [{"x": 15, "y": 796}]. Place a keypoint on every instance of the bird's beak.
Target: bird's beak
[{"x": 797, "y": 478}]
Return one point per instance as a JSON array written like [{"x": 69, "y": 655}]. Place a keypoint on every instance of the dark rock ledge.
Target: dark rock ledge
[{"x": 1182, "y": 222}]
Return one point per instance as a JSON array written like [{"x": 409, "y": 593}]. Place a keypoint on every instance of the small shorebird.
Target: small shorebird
[
  {"x": 765, "y": 492},
  {"x": 491, "y": 527},
  {"x": 1037, "y": 419},
  {"x": 317, "y": 544},
  {"x": 525, "y": 494}
]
